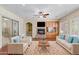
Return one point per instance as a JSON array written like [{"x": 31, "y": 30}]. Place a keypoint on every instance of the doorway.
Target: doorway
[{"x": 29, "y": 29}]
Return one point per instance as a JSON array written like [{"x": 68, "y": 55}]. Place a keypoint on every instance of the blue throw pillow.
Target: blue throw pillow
[
  {"x": 17, "y": 39},
  {"x": 76, "y": 40},
  {"x": 70, "y": 39},
  {"x": 62, "y": 37}
]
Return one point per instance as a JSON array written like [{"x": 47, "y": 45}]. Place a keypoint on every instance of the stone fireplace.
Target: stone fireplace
[
  {"x": 41, "y": 32},
  {"x": 41, "y": 29}
]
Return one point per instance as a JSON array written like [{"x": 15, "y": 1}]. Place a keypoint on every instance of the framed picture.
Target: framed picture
[
  {"x": 10, "y": 27},
  {"x": 6, "y": 27},
  {"x": 51, "y": 29},
  {"x": 15, "y": 28}
]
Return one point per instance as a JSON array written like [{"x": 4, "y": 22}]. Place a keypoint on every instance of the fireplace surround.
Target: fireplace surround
[{"x": 41, "y": 31}]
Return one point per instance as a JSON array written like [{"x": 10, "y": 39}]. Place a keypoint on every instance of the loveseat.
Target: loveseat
[
  {"x": 20, "y": 46},
  {"x": 70, "y": 43}
]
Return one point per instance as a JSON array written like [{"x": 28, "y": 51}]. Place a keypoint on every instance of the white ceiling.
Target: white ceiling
[{"x": 29, "y": 10}]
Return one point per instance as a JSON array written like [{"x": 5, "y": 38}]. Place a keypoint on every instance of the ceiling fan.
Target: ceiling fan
[{"x": 43, "y": 14}]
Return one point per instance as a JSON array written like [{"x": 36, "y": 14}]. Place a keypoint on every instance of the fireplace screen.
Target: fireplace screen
[{"x": 41, "y": 31}]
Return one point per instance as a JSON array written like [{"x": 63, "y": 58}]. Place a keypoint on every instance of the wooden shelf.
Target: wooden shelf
[{"x": 52, "y": 35}]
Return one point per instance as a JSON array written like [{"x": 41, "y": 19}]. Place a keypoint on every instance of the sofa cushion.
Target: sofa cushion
[
  {"x": 75, "y": 39},
  {"x": 18, "y": 38},
  {"x": 70, "y": 39},
  {"x": 62, "y": 36},
  {"x": 65, "y": 44},
  {"x": 15, "y": 39}
]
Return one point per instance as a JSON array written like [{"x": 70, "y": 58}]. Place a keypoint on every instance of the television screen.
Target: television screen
[{"x": 40, "y": 24}]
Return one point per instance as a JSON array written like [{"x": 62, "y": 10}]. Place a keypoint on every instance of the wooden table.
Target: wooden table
[{"x": 43, "y": 43}]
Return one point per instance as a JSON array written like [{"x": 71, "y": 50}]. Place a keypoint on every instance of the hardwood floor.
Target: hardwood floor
[
  {"x": 4, "y": 50},
  {"x": 33, "y": 49},
  {"x": 53, "y": 49}
]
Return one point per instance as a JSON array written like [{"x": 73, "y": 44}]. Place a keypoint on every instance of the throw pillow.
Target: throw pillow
[
  {"x": 76, "y": 40},
  {"x": 62, "y": 36},
  {"x": 70, "y": 39}
]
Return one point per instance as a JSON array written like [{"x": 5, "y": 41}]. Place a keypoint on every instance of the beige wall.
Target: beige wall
[
  {"x": 4, "y": 12},
  {"x": 70, "y": 23},
  {"x": 11, "y": 15},
  {"x": 34, "y": 23},
  {"x": 0, "y": 32}
]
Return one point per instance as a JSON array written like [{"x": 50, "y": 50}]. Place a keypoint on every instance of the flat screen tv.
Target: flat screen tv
[{"x": 40, "y": 24}]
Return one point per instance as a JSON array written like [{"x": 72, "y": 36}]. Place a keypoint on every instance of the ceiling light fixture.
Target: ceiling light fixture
[{"x": 43, "y": 14}]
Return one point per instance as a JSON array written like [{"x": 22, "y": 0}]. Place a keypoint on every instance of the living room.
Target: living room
[{"x": 49, "y": 29}]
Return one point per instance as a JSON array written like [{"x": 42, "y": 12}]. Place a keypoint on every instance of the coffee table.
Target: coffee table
[{"x": 43, "y": 43}]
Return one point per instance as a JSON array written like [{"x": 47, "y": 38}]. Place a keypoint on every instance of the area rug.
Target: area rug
[{"x": 53, "y": 49}]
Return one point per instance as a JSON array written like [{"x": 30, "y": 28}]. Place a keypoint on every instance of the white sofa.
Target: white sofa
[
  {"x": 20, "y": 47},
  {"x": 73, "y": 48}
]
